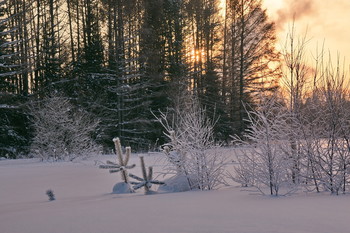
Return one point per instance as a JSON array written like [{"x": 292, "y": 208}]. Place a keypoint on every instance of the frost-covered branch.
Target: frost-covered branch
[
  {"x": 147, "y": 179},
  {"x": 192, "y": 151},
  {"x": 62, "y": 132}
]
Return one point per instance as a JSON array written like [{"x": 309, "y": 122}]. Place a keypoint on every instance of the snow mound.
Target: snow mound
[
  {"x": 122, "y": 187},
  {"x": 177, "y": 183}
]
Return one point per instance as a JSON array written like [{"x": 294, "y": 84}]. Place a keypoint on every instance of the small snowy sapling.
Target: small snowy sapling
[
  {"x": 147, "y": 179},
  {"x": 122, "y": 166},
  {"x": 50, "y": 194}
]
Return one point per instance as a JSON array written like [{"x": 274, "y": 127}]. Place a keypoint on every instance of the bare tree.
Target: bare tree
[
  {"x": 318, "y": 136},
  {"x": 295, "y": 75},
  {"x": 326, "y": 117}
]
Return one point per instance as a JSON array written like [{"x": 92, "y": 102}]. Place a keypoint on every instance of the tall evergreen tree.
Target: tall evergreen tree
[
  {"x": 174, "y": 41},
  {"x": 51, "y": 67},
  {"x": 14, "y": 128},
  {"x": 93, "y": 50},
  {"x": 249, "y": 46},
  {"x": 202, "y": 41},
  {"x": 152, "y": 67},
  {"x": 87, "y": 75}
]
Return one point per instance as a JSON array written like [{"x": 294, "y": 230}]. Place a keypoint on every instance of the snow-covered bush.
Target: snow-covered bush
[
  {"x": 62, "y": 132},
  {"x": 193, "y": 152},
  {"x": 265, "y": 159}
]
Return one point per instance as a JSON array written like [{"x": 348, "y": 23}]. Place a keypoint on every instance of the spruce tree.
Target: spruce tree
[
  {"x": 14, "y": 124},
  {"x": 249, "y": 53}
]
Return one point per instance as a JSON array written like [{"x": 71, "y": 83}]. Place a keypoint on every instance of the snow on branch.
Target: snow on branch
[
  {"x": 192, "y": 152},
  {"x": 147, "y": 179},
  {"x": 62, "y": 132},
  {"x": 122, "y": 166}
]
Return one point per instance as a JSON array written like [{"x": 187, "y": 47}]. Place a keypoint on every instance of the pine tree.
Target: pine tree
[{"x": 152, "y": 66}]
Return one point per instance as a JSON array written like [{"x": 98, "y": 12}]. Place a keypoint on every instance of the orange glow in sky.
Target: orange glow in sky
[{"x": 324, "y": 20}]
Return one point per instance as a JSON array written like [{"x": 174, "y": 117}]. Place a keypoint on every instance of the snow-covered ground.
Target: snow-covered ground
[{"x": 84, "y": 204}]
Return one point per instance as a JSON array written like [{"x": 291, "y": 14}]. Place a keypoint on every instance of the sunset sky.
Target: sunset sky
[{"x": 325, "y": 21}]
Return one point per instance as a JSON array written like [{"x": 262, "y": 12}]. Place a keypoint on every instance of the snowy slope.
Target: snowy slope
[{"x": 85, "y": 205}]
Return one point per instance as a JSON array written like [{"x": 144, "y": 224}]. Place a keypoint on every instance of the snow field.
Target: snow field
[{"x": 84, "y": 204}]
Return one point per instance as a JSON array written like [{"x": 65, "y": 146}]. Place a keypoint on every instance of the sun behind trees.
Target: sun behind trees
[{"x": 120, "y": 60}]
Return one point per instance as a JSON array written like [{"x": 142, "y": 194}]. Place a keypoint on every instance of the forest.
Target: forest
[{"x": 101, "y": 69}]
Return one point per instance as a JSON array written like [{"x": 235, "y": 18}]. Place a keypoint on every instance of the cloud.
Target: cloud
[{"x": 296, "y": 9}]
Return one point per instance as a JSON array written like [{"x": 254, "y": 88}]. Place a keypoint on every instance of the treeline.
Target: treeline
[{"x": 123, "y": 60}]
